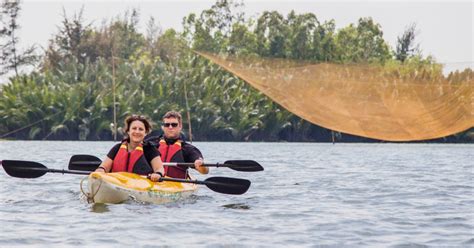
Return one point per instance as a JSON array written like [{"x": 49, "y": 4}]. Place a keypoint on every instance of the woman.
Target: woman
[{"x": 132, "y": 155}]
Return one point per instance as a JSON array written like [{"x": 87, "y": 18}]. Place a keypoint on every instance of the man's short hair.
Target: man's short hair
[{"x": 173, "y": 114}]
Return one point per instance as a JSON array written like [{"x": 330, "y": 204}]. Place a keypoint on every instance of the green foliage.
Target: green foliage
[
  {"x": 242, "y": 40},
  {"x": 271, "y": 33},
  {"x": 415, "y": 68},
  {"x": 11, "y": 58},
  {"x": 405, "y": 44},
  {"x": 363, "y": 43}
]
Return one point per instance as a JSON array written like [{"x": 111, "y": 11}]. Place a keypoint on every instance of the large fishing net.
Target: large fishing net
[{"x": 363, "y": 100}]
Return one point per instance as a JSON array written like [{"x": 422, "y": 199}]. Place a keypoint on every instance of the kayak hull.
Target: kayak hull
[{"x": 121, "y": 186}]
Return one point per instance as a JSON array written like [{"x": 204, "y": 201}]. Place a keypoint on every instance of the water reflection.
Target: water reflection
[
  {"x": 237, "y": 206},
  {"x": 99, "y": 208}
]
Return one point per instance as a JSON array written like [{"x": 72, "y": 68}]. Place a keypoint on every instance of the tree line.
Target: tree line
[{"x": 87, "y": 72}]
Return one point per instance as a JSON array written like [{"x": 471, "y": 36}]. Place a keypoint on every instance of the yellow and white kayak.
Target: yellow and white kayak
[{"x": 120, "y": 186}]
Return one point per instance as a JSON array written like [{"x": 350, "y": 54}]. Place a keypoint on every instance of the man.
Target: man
[{"x": 173, "y": 148}]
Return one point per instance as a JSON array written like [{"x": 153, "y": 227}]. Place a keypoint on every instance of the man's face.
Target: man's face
[{"x": 171, "y": 128}]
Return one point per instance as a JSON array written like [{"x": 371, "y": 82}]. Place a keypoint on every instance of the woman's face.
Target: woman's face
[{"x": 137, "y": 131}]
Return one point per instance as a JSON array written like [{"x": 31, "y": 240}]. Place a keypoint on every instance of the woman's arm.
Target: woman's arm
[
  {"x": 158, "y": 169},
  {"x": 105, "y": 166}
]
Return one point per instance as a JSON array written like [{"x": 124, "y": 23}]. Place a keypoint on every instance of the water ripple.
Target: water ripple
[{"x": 310, "y": 195}]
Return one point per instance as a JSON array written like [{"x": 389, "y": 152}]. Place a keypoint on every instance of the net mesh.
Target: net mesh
[{"x": 361, "y": 100}]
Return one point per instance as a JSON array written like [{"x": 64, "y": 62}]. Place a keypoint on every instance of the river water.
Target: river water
[{"x": 310, "y": 194}]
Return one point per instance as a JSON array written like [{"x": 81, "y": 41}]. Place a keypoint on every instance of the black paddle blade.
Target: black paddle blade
[
  {"x": 24, "y": 169},
  {"x": 243, "y": 165},
  {"x": 227, "y": 185},
  {"x": 83, "y": 162}
]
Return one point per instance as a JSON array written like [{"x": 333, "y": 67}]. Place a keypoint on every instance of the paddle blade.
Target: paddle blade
[
  {"x": 83, "y": 162},
  {"x": 24, "y": 169},
  {"x": 243, "y": 165},
  {"x": 227, "y": 185}
]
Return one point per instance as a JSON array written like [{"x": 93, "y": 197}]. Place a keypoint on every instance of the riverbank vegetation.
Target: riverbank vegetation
[{"x": 70, "y": 96}]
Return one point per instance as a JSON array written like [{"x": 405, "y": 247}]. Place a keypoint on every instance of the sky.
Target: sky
[{"x": 445, "y": 28}]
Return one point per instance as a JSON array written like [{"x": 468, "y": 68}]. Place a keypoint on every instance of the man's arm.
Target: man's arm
[{"x": 193, "y": 155}]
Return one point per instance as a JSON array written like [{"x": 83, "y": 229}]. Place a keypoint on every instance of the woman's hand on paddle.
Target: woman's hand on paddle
[
  {"x": 155, "y": 176},
  {"x": 100, "y": 169},
  {"x": 105, "y": 165}
]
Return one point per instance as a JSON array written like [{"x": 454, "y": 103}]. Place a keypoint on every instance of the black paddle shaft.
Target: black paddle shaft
[
  {"x": 29, "y": 169},
  {"x": 90, "y": 163}
]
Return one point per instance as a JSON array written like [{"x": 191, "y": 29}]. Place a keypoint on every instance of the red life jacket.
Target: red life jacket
[
  {"x": 134, "y": 161},
  {"x": 173, "y": 153}
]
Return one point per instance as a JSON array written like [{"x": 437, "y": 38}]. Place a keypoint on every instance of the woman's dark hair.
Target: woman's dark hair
[{"x": 132, "y": 118}]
